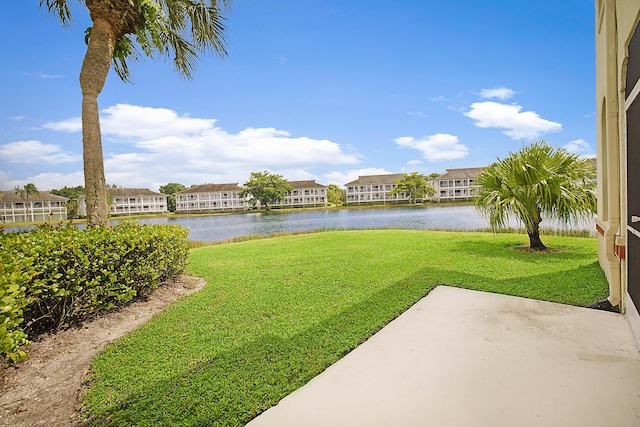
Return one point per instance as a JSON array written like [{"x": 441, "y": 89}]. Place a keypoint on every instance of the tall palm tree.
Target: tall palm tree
[
  {"x": 26, "y": 191},
  {"x": 180, "y": 29},
  {"x": 537, "y": 181}
]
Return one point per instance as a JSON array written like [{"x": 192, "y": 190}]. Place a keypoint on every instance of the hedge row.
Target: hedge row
[{"x": 54, "y": 277}]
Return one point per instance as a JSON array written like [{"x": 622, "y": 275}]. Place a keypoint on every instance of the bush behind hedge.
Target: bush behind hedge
[{"x": 77, "y": 273}]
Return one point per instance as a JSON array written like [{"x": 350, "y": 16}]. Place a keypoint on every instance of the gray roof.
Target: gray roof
[
  {"x": 11, "y": 196},
  {"x": 128, "y": 192},
  {"x": 460, "y": 173},
  {"x": 115, "y": 192},
  {"x": 390, "y": 178},
  {"x": 305, "y": 184},
  {"x": 211, "y": 188}
]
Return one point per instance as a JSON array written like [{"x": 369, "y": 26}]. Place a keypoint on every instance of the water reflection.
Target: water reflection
[{"x": 221, "y": 227}]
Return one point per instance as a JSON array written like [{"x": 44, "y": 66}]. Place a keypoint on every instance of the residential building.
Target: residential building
[
  {"x": 44, "y": 207},
  {"x": 211, "y": 198},
  {"x": 374, "y": 189},
  {"x": 456, "y": 184},
  {"x": 304, "y": 194},
  {"x": 618, "y": 153},
  {"x": 130, "y": 201}
]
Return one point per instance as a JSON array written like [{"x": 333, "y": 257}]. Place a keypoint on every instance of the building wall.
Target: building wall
[
  {"x": 374, "y": 193},
  {"x": 130, "y": 204},
  {"x": 214, "y": 201},
  {"x": 125, "y": 205},
  {"x": 615, "y": 23},
  {"x": 304, "y": 197},
  {"x": 39, "y": 210},
  {"x": 454, "y": 189}
]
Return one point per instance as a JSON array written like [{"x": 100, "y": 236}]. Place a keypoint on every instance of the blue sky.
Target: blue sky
[{"x": 324, "y": 90}]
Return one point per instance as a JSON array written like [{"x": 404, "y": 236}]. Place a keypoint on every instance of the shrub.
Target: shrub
[
  {"x": 78, "y": 273},
  {"x": 15, "y": 273}
]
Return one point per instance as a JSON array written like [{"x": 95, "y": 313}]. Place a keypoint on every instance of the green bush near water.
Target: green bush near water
[{"x": 57, "y": 276}]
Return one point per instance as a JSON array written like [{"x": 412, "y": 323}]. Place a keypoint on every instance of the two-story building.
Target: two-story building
[
  {"x": 42, "y": 207},
  {"x": 211, "y": 198},
  {"x": 456, "y": 184},
  {"x": 130, "y": 201},
  {"x": 304, "y": 194},
  {"x": 374, "y": 189}
]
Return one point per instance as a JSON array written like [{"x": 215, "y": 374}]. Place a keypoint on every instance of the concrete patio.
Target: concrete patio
[{"x": 467, "y": 358}]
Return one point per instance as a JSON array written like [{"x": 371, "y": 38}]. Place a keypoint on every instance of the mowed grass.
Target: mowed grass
[{"x": 277, "y": 312}]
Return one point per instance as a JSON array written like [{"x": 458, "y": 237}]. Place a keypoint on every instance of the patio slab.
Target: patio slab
[{"x": 467, "y": 358}]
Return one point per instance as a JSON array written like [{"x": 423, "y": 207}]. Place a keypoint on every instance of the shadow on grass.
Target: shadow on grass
[
  {"x": 512, "y": 249},
  {"x": 231, "y": 388}
]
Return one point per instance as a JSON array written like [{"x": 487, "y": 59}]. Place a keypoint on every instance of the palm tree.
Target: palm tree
[
  {"x": 26, "y": 191},
  {"x": 538, "y": 181},
  {"x": 180, "y": 29}
]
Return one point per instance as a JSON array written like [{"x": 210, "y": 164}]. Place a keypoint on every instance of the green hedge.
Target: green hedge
[{"x": 63, "y": 275}]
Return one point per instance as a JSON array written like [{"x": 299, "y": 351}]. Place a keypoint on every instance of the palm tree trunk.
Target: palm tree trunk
[
  {"x": 93, "y": 75},
  {"x": 534, "y": 240}
]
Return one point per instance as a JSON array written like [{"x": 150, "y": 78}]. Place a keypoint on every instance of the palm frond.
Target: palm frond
[
  {"x": 60, "y": 8},
  {"x": 537, "y": 181}
]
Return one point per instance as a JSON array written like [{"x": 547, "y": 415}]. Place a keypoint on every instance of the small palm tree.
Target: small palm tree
[
  {"x": 179, "y": 29},
  {"x": 26, "y": 191},
  {"x": 538, "y": 181}
]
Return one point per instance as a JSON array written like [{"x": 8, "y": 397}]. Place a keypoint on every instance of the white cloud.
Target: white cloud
[
  {"x": 168, "y": 147},
  {"x": 341, "y": 178},
  {"x": 581, "y": 147},
  {"x": 7, "y": 183},
  {"x": 43, "y": 181},
  {"x": 47, "y": 181},
  {"x": 34, "y": 152},
  {"x": 282, "y": 59},
  {"x": 417, "y": 113},
  {"x": 438, "y": 147},
  {"x": 518, "y": 124},
  {"x": 44, "y": 75},
  {"x": 498, "y": 92},
  {"x": 70, "y": 125}
]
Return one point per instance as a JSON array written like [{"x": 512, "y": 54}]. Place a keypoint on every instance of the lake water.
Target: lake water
[{"x": 222, "y": 227}]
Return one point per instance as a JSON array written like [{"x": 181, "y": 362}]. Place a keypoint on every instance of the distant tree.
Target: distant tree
[
  {"x": 415, "y": 185},
  {"x": 336, "y": 195},
  {"x": 72, "y": 208},
  {"x": 26, "y": 191},
  {"x": 536, "y": 181},
  {"x": 69, "y": 192},
  {"x": 433, "y": 175},
  {"x": 178, "y": 29},
  {"x": 265, "y": 188},
  {"x": 170, "y": 190}
]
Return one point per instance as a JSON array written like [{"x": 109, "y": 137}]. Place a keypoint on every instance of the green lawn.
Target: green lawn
[{"x": 277, "y": 312}]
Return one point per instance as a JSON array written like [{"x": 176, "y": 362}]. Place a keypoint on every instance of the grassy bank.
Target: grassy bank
[{"x": 276, "y": 312}]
